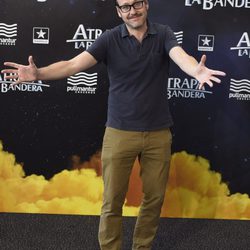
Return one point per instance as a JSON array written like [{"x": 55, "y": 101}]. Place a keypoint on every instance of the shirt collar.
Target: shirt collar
[{"x": 151, "y": 29}]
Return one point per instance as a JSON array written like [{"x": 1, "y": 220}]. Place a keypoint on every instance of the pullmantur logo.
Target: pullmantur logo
[
  {"x": 88, "y": 82},
  {"x": 240, "y": 89},
  {"x": 83, "y": 38},
  {"x": 179, "y": 36},
  {"x": 7, "y": 34},
  {"x": 210, "y": 4},
  {"x": 243, "y": 46},
  {"x": 186, "y": 88},
  {"x": 8, "y": 86}
]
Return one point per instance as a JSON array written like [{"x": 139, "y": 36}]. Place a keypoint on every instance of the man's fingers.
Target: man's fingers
[
  {"x": 215, "y": 79},
  {"x": 31, "y": 61},
  {"x": 11, "y": 77},
  {"x": 209, "y": 83},
  {"x": 203, "y": 59},
  {"x": 9, "y": 71},
  {"x": 201, "y": 85},
  {"x": 218, "y": 73},
  {"x": 12, "y": 64}
]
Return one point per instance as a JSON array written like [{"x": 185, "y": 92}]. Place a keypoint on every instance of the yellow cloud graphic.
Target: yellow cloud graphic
[
  {"x": 68, "y": 192},
  {"x": 193, "y": 191}
]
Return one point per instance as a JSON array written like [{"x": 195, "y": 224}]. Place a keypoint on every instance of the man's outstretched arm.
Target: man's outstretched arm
[
  {"x": 28, "y": 73},
  {"x": 197, "y": 70}
]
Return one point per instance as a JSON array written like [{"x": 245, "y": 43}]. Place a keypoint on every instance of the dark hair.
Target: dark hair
[{"x": 115, "y": 1}]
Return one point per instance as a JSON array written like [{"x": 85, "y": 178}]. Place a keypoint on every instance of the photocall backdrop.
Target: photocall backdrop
[{"x": 51, "y": 131}]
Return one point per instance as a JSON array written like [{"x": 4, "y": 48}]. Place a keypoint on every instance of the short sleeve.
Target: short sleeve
[
  {"x": 99, "y": 48},
  {"x": 170, "y": 39}
]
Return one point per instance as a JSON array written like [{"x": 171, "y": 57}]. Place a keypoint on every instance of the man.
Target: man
[{"x": 137, "y": 57}]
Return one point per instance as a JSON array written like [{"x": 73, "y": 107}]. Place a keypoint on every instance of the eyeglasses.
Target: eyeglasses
[{"x": 127, "y": 7}]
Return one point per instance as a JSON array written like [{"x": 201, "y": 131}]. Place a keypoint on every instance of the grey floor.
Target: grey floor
[{"x": 34, "y": 231}]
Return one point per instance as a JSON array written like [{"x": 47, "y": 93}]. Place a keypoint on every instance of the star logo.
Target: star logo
[
  {"x": 206, "y": 43},
  {"x": 41, "y": 35}
]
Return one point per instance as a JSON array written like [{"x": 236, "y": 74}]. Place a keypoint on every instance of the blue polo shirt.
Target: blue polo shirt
[{"x": 138, "y": 75}]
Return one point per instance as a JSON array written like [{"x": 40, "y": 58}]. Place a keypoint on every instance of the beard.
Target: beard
[{"x": 135, "y": 24}]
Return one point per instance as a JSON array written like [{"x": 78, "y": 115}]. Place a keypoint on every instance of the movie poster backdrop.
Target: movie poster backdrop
[{"x": 51, "y": 131}]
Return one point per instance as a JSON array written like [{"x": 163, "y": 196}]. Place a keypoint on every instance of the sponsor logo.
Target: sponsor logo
[
  {"x": 83, "y": 38},
  {"x": 243, "y": 45},
  {"x": 206, "y": 43},
  {"x": 240, "y": 89},
  {"x": 179, "y": 37},
  {"x": 186, "y": 88},
  {"x": 210, "y": 4},
  {"x": 7, "y": 32},
  {"x": 82, "y": 83},
  {"x": 41, "y": 35},
  {"x": 8, "y": 86}
]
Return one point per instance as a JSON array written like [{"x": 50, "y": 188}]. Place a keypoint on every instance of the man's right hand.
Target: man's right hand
[{"x": 21, "y": 73}]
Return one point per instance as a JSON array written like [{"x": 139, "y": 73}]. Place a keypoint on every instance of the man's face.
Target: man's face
[{"x": 136, "y": 17}]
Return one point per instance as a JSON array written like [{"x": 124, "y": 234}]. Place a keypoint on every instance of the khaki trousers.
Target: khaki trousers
[{"x": 120, "y": 149}]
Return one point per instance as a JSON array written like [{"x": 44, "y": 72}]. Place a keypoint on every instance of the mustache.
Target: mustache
[{"x": 135, "y": 15}]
